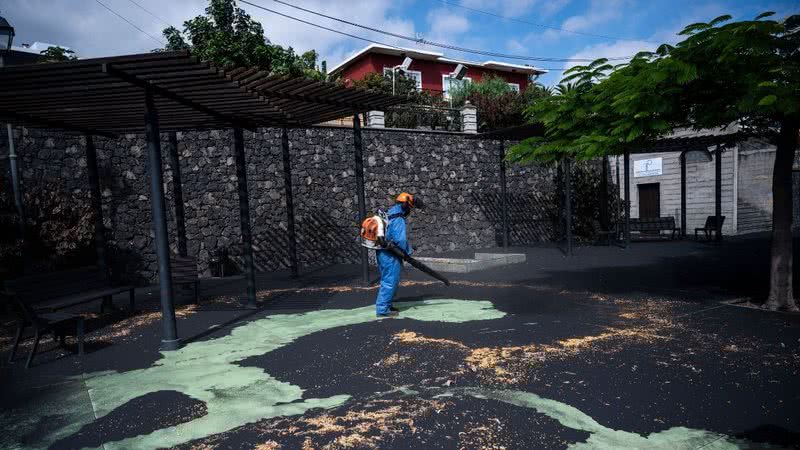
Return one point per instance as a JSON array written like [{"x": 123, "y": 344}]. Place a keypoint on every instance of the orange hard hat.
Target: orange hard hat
[
  {"x": 409, "y": 200},
  {"x": 405, "y": 197}
]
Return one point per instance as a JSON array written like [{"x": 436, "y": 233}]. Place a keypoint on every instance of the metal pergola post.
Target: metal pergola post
[
  {"x": 617, "y": 195},
  {"x": 287, "y": 185},
  {"x": 683, "y": 194},
  {"x": 170, "y": 339},
  {"x": 362, "y": 204},
  {"x": 627, "y": 167},
  {"x": 97, "y": 202},
  {"x": 244, "y": 216},
  {"x": 503, "y": 193},
  {"x": 177, "y": 193},
  {"x": 604, "y": 193},
  {"x": 568, "y": 204},
  {"x": 17, "y": 188},
  {"x": 718, "y": 192}
]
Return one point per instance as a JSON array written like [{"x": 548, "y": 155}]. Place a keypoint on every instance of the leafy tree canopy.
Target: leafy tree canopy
[
  {"x": 498, "y": 105},
  {"x": 403, "y": 86},
  {"x": 228, "y": 36},
  {"x": 57, "y": 54},
  {"x": 720, "y": 73},
  {"x": 745, "y": 73}
]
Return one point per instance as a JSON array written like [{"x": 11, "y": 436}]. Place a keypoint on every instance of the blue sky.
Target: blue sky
[{"x": 630, "y": 25}]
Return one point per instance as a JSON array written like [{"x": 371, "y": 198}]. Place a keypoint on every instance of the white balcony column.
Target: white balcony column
[
  {"x": 469, "y": 118},
  {"x": 375, "y": 119}
]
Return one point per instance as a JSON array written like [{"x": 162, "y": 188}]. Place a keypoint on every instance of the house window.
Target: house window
[
  {"x": 448, "y": 82},
  {"x": 416, "y": 75},
  {"x": 514, "y": 86}
]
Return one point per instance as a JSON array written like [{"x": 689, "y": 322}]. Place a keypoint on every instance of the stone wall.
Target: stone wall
[{"x": 456, "y": 175}]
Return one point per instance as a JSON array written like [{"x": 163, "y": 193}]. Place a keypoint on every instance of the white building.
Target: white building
[{"x": 747, "y": 167}]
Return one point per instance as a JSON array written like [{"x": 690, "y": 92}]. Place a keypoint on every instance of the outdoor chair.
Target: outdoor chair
[
  {"x": 600, "y": 234},
  {"x": 710, "y": 227},
  {"x": 184, "y": 272},
  {"x": 59, "y": 323}
]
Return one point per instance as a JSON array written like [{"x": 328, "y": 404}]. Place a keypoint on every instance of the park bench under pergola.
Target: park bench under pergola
[
  {"x": 170, "y": 92},
  {"x": 684, "y": 144}
]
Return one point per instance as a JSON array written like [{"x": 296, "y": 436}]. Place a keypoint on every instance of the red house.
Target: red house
[{"x": 431, "y": 70}]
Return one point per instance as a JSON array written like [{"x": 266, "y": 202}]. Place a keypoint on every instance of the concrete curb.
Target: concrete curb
[{"x": 481, "y": 261}]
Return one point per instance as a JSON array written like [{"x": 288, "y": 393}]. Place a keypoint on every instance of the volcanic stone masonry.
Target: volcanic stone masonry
[{"x": 457, "y": 176}]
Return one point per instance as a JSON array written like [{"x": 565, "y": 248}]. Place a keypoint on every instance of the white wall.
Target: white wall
[
  {"x": 756, "y": 164},
  {"x": 700, "y": 181}
]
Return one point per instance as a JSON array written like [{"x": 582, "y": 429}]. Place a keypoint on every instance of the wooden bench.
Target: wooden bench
[
  {"x": 184, "y": 272},
  {"x": 710, "y": 227},
  {"x": 57, "y": 322},
  {"x": 38, "y": 298},
  {"x": 656, "y": 224}
]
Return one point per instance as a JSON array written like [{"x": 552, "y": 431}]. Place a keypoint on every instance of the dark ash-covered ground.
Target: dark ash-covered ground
[{"x": 611, "y": 348}]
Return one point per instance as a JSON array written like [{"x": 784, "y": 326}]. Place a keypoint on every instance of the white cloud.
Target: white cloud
[
  {"x": 445, "y": 26},
  {"x": 331, "y": 46},
  {"x": 91, "y": 30},
  {"x": 553, "y": 6},
  {"x": 599, "y": 12},
  {"x": 517, "y": 8},
  {"x": 615, "y": 49}
]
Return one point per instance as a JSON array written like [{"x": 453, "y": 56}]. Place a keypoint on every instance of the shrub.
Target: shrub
[
  {"x": 497, "y": 104},
  {"x": 59, "y": 229}
]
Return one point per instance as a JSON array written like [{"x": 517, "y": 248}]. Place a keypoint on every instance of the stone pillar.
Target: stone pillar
[
  {"x": 469, "y": 118},
  {"x": 375, "y": 119}
]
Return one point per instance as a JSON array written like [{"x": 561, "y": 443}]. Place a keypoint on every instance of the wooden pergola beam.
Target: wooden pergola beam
[
  {"x": 8, "y": 116},
  {"x": 148, "y": 86}
]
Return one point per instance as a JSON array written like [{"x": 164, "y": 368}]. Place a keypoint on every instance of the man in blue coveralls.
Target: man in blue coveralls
[{"x": 388, "y": 263}]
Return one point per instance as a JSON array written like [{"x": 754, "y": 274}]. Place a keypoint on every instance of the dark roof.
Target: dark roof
[
  {"x": 16, "y": 58},
  {"x": 106, "y": 95},
  {"x": 688, "y": 143}
]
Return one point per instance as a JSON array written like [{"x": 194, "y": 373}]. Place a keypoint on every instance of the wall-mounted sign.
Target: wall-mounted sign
[{"x": 647, "y": 167}]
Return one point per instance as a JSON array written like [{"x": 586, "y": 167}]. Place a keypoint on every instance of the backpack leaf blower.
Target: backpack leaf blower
[{"x": 373, "y": 237}]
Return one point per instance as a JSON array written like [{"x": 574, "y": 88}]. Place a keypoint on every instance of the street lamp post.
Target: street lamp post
[
  {"x": 457, "y": 74},
  {"x": 403, "y": 67},
  {"x": 6, "y": 38}
]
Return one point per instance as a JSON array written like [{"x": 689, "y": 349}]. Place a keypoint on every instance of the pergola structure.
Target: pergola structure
[
  {"x": 684, "y": 145},
  {"x": 175, "y": 91}
]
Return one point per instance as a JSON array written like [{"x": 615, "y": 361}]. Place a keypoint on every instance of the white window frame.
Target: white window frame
[
  {"x": 514, "y": 86},
  {"x": 446, "y": 78},
  {"x": 415, "y": 74}
]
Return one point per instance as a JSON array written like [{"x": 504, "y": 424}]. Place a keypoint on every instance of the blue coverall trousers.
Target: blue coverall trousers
[{"x": 390, "y": 266}]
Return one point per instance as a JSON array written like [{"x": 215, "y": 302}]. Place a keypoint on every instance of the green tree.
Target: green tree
[
  {"x": 420, "y": 109},
  {"x": 227, "y": 36},
  {"x": 57, "y": 54},
  {"x": 749, "y": 72},
  {"x": 403, "y": 86},
  {"x": 745, "y": 72},
  {"x": 498, "y": 105}
]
